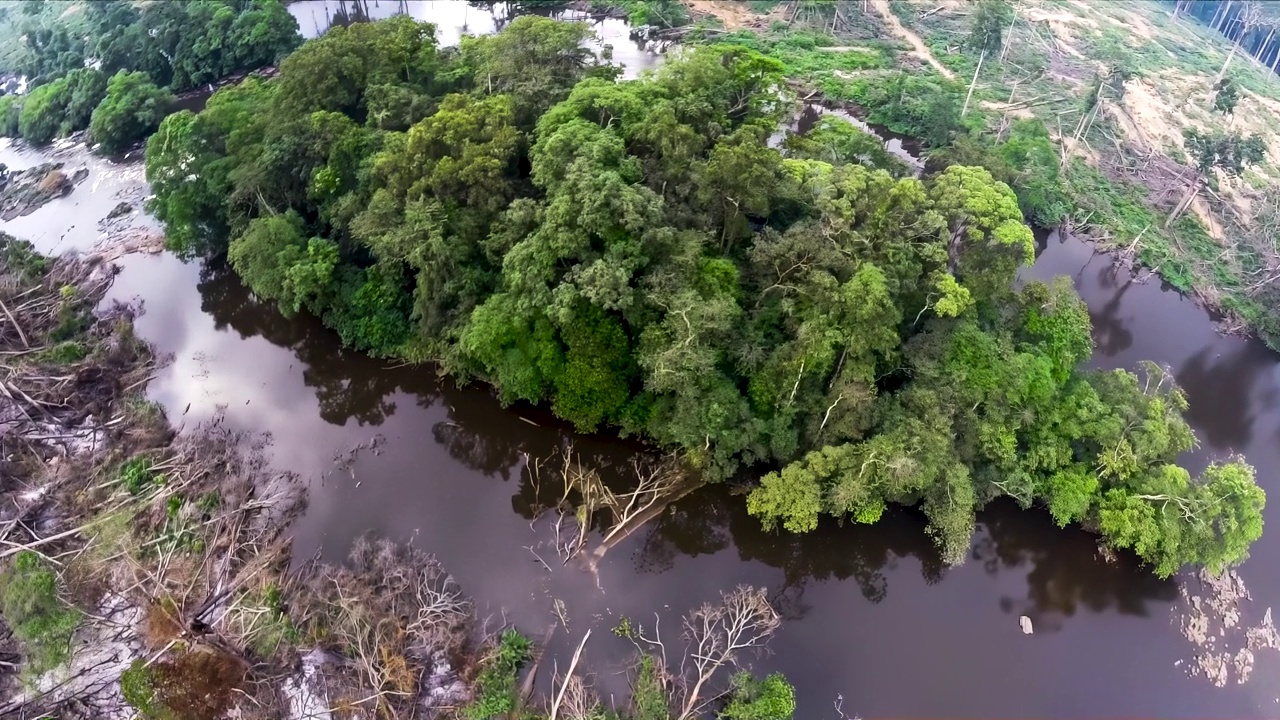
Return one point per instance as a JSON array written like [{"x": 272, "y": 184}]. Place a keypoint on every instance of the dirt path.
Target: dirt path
[{"x": 919, "y": 48}]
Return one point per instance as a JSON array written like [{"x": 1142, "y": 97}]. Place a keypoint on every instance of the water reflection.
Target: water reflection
[
  {"x": 1111, "y": 334},
  {"x": 1065, "y": 569},
  {"x": 1223, "y": 389},
  {"x": 348, "y": 385}
]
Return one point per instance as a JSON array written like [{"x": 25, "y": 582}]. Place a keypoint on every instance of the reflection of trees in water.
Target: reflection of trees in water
[
  {"x": 1067, "y": 571},
  {"x": 711, "y": 519},
  {"x": 347, "y": 384},
  {"x": 1109, "y": 331},
  {"x": 1221, "y": 390}
]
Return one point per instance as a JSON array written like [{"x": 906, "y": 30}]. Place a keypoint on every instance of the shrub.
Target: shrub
[
  {"x": 68, "y": 352},
  {"x": 137, "y": 475},
  {"x": 495, "y": 689},
  {"x": 44, "y": 624},
  {"x": 772, "y": 698}
]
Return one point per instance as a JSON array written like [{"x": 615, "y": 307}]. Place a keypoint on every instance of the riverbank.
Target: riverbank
[
  {"x": 146, "y": 572},
  {"x": 868, "y": 609}
]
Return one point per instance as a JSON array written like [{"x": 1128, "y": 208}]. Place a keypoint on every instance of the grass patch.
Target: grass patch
[
  {"x": 68, "y": 352},
  {"x": 137, "y": 476},
  {"x": 276, "y": 630},
  {"x": 810, "y": 54},
  {"x": 39, "y": 619},
  {"x": 495, "y": 687}
]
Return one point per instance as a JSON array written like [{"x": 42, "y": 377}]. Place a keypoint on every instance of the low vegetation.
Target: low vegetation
[
  {"x": 637, "y": 255},
  {"x": 41, "y": 620}
]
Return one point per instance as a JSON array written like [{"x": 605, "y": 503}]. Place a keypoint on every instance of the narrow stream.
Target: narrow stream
[{"x": 870, "y": 614}]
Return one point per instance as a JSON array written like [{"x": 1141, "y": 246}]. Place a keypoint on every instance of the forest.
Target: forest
[
  {"x": 638, "y": 255},
  {"x": 113, "y": 68}
]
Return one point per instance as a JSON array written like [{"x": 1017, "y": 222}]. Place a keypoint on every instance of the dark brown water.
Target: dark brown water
[{"x": 870, "y": 615}]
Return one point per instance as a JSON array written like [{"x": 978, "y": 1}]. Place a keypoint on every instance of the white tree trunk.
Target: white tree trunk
[
  {"x": 1263, "y": 47},
  {"x": 972, "y": 83},
  {"x": 1230, "y": 55}
]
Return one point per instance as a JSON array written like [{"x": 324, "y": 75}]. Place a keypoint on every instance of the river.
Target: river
[{"x": 870, "y": 615}]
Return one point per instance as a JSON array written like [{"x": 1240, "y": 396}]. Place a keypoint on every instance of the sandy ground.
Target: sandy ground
[
  {"x": 732, "y": 15},
  {"x": 918, "y": 47}
]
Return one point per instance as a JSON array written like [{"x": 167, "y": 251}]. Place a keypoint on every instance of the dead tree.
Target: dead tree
[
  {"x": 716, "y": 636},
  {"x": 1250, "y": 17},
  {"x": 658, "y": 481}
]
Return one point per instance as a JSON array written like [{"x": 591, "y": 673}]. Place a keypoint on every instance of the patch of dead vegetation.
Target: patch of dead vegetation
[
  {"x": 734, "y": 15},
  {"x": 1213, "y": 617},
  {"x": 175, "y": 547}
]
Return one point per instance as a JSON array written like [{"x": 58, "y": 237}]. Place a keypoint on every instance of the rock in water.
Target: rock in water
[
  {"x": 25, "y": 191},
  {"x": 1025, "y": 623}
]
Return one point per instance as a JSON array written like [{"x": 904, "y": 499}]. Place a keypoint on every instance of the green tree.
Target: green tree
[
  {"x": 987, "y": 25},
  {"x": 42, "y": 112},
  {"x": 265, "y": 253},
  {"x": 335, "y": 71},
  {"x": 988, "y": 240},
  {"x": 132, "y": 109},
  {"x": 535, "y": 60}
]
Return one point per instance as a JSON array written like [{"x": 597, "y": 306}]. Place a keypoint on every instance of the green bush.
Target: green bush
[
  {"x": 67, "y": 352},
  {"x": 10, "y": 114},
  {"x": 137, "y": 475},
  {"x": 772, "y": 698},
  {"x": 39, "y": 619},
  {"x": 495, "y": 688},
  {"x": 648, "y": 697},
  {"x": 20, "y": 257},
  {"x": 921, "y": 107},
  {"x": 74, "y": 320}
]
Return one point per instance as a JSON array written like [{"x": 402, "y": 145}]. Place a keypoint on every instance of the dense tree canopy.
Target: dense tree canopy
[
  {"x": 637, "y": 255},
  {"x": 179, "y": 45},
  {"x": 142, "y": 47},
  {"x": 61, "y": 107},
  {"x": 132, "y": 109}
]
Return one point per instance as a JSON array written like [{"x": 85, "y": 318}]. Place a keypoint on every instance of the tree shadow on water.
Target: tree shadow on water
[
  {"x": 1225, "y": 383},
  {"x": 1065, "y": 570},
  {"x": 348, "y": 384}
]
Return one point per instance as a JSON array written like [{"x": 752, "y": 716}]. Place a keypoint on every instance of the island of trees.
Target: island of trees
[{"x": 641, "y": 256}]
